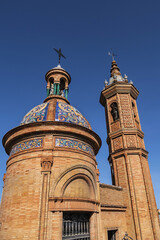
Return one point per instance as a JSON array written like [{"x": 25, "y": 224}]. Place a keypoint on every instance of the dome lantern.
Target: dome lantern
[
  {"x": 57, "y": 82},
  {"x": 58, "y": 79}
]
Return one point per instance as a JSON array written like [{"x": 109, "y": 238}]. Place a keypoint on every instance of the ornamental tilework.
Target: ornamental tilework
[
  {"x": 67, "y": 113},
  {"x": 35, "y": 143},
  {"x": 62, "y": 142},
  {"x": 37, "y": 114}
]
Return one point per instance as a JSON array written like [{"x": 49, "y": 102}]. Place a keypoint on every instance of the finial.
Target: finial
[
  {"x": 112, "y": 54},
  {"x": 105, "y": 82},
  {"x": 125, "y": 77},
  {"x": 114, "y": 69},
  {"x": 59, "y": 54},
  {"x": 114, "y": 76}
]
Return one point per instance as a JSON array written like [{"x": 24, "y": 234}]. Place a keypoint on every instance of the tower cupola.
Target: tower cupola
[
  {"x": 58, "y": 79},
  {"x": 57, "y": 82}
]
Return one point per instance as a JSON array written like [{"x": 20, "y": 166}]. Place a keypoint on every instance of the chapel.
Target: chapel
[{"x": 51, "y": 186}]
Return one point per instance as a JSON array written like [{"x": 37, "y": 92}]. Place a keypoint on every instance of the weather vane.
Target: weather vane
[
  {"x": 59, "y": 54},
  {"x": 112, "y": 54}
]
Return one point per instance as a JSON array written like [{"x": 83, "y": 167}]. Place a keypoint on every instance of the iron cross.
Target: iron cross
[{"x": 59, "y": 54}]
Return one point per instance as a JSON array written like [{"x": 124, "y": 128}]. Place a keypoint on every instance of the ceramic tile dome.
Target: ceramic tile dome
[{"x": 64, "y": 112}]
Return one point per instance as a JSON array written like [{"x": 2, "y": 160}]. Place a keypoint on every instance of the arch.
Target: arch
[
  {"x": 51, "y": 80},
  {"x": 114, "y": 111},
  {"x": 62, "y": 83},
  {"x": 78, "y": 185},
  {"x": 70, "y": 175}
]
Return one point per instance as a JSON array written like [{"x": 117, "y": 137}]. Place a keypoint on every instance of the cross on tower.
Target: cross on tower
[{"x": 59, "y": 54}]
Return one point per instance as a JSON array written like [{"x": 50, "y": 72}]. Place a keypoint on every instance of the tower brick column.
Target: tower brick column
[
  {"x": 128, "y": 157},
  {"x": 46, "y": 165}
]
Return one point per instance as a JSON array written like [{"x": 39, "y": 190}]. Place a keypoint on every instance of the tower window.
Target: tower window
[
  {"x": 133, "y": 108},
  {"x": 114, "y": 111},
  {"x": 112, "y": 234}
]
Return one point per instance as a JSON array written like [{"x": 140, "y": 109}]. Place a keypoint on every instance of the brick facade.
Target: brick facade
[{"x": 52, "y": 169}]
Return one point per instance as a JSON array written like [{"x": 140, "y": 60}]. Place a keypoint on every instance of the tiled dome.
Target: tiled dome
[{"x": 64, "y": 112}]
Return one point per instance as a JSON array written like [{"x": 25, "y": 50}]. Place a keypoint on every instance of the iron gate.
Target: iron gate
[{"x": 76, "y": 226}]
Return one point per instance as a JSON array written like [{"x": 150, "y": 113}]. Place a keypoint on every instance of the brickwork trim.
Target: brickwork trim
[
  {"x": 44, "y": 206},
  {"x": 69, "y": 174},
  {"x": 112, "y": 208},
  {"x": 128, "y": 151},
  {"x": 46, "y": 165},
  {"x": 41, "y": 128},
  {"x": 73, "y": 204},
  {"x": 118, "y": 87},
  {"x": 102, "y": 185}
]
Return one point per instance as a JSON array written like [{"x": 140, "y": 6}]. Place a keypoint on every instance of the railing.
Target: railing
[{"x": 76, "y": 228}]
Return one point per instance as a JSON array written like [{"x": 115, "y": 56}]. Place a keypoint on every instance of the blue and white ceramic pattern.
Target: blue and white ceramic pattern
[
  {"x": 62, "y": 142},
  {"x": 34, "y": 143},
  {"x": 37, "y": 114},
  {"x": 67, "y": 113}
]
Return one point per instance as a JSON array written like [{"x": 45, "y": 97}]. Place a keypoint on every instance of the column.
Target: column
[
  {"x": 46, "y": 171},
  {"x": 66, "y": 93}
]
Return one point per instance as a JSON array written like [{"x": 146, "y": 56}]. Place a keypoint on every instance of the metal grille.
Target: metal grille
[{"x": 76, "y": 226}]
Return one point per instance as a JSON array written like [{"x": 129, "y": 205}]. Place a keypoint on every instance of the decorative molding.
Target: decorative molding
[
  {"x": 115, "y": 126},
  {"x": 140, "y": 142},
  {"x": 131, "y": 141},
  {"x": 62, "y": 142},
  {"x": 117, "y": 143},
  {"x": 67, "y": 113},
  {"x": 118, "y": 87},
  {"x": 46, "y": 165},
  {"x": 34, "y": 143},
  {"x": 126, "y": 111}
]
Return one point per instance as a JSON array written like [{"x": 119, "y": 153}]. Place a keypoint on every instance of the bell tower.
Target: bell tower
[{"x": 128, "y": 157}]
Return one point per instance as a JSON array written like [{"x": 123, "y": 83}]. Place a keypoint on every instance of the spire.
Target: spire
[
  {"x": 115, "y": 73},
  {"x": 114, "y": 69}
]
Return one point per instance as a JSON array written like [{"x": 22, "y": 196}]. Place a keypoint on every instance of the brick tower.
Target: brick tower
[
  {"x": 51, "y": 189},
  {"x": 128, "y": 158}
]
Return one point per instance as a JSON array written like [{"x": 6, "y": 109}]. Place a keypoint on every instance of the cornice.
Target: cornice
[
  {"x": 15, "y": 135},
  {"x": 103, "y": 185},
  {"x": 58, "y": 71},
  {"x": 57, "y": 97},
  {"x": 125, "y": 131},
  {"x": 118, "y": 87},
  {"x": 128, "y": 151}
]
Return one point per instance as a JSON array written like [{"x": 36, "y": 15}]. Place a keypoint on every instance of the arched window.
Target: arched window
[{"x": 114, "y": 111}]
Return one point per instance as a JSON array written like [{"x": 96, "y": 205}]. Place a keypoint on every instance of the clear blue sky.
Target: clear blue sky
[{"x": 85, "y": 30}]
